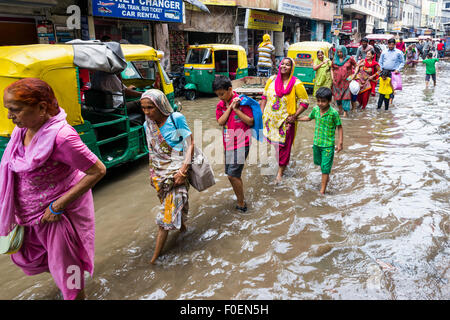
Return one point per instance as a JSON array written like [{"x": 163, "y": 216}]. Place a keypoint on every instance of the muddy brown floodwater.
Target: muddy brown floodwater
[{"x": 380, "y": 233}]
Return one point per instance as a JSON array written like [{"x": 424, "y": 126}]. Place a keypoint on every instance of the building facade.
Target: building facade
[{"x": 365, "y": 16}]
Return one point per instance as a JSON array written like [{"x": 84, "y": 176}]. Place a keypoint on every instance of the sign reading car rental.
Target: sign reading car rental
[
  {"x": 300, "y": 8},
  {"x": 158, "y": 10},
  {"x": 261, "y": 20}
]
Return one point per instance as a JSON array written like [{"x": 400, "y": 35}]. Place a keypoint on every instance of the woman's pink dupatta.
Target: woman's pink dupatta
[
  {"x": 279, "y": 88},
  {"x": 36, "y": 154}
]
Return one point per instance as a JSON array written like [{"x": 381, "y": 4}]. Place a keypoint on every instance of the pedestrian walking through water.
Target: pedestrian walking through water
[
  {"x": 366, "y": 72},
  {"x": 342, "y": 69},
  {"x": 283, "y": 100},
  {"x": 236, "y": 121},
  {"x": 322, "y": 67},
  {"x": 327, "y": 121},
  {"x": 171, "y": 148},
  {"x": 47, "y": 173}
]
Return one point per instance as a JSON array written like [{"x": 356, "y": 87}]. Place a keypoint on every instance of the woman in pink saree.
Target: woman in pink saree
[{"x": 47, "y": 173}]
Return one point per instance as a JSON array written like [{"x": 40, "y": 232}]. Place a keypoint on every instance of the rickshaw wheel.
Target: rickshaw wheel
[{"x": 190, "y": 94}]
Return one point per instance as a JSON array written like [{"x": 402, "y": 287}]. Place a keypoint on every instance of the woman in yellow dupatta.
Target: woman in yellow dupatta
[{"x": 283, "y": 100}]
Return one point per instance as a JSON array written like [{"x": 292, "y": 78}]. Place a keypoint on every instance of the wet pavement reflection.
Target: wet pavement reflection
[{"x": 381, "y": 232}]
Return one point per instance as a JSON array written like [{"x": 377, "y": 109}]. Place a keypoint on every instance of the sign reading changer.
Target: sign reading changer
[{"x": 157, "y": 10}]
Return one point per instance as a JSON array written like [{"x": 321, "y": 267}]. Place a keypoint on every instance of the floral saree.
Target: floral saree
[{"x": 164, "y": 162}]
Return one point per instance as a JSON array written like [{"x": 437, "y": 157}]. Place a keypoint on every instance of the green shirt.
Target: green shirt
[
  {"x": 325, "y": 126},
  {"x": 430, "y": 65}
]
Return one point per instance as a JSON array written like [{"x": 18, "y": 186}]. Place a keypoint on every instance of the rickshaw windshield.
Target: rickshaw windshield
[
  {"x": 140, "y": 70},
  {"x": 199, "y": 56}
]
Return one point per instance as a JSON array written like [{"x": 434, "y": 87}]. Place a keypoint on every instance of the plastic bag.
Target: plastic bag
[
  {"x": 354, "y": 87},
  {"x": 257, "y": 116},
  {"x": 396, "y": 80}
]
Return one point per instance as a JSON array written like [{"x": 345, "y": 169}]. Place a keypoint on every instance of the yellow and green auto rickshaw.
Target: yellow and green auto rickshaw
[
  {"x": 304, "y": 53},
  {"x": 107, "y": 129},
  {"x": 204, "y": 62}
]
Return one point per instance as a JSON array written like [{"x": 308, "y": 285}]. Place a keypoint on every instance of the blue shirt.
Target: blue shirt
[
  {"x": 392, "y": 60},
  {"x": 171, "y": 134}
]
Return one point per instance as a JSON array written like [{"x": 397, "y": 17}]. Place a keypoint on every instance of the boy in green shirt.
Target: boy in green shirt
[
  {"x": 327, "y": 120},
  {"x": 430, "y": 69}
]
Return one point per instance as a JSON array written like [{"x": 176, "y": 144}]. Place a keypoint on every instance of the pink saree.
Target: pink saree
[{"x": 36, "y": 175}]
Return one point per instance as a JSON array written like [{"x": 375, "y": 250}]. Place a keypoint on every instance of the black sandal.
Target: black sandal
[{"x": 242, "y": 209}]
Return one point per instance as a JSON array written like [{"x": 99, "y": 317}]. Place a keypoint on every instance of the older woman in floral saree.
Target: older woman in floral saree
[
  {"x": 171, "y": 148},
  {"x": 46, "y": 174},
  {"x": 283, "y": 100}
]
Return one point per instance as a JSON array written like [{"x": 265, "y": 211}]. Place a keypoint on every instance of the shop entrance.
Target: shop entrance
[{"x": 17, "y": 31}]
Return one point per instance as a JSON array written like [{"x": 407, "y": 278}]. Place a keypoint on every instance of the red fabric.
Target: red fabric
[
  {"x": 373, "y": 84},
  {"x": 400, "y": 46},
  {"x": 440, "y": 46},
  {"x": 284, "y": 152},
  {"x": 372, "y": 64},
  {"x": 363, "y": 98},
  {"x": 236, "y": 133}
]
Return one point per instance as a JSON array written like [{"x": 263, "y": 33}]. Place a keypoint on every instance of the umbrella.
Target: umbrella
[{"x": 198, "y": 4}]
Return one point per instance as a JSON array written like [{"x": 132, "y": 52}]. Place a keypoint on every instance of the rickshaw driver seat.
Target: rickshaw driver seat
[{"x": 101, "y": 101}]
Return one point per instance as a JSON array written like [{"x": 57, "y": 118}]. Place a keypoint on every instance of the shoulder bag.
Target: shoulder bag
[{"x": 200, "y": 174}]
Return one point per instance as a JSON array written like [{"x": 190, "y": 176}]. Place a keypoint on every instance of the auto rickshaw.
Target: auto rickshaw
[
  {"x": 304, "y": 53},
  {"x": 108, "y": 130},
  {"x": 204, "y": 62}
]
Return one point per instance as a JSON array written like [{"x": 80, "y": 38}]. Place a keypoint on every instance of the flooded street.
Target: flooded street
[{"x": 381, "y": 232}]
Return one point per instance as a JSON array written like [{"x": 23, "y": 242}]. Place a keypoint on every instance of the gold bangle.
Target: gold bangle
[{"x": 179, "y": 171}]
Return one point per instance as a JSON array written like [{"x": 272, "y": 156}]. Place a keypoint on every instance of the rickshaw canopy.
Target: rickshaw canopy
[
  {"x": 51, "y": 63},
  {"x": 134, "y": 52},
  {"x": 56, "y": 64},
  {"x": 311, "y": 46}
]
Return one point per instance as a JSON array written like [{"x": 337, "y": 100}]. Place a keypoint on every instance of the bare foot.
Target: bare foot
[
  {"x": 278, "y": 180},
  {"x": 345, "y": 114}
]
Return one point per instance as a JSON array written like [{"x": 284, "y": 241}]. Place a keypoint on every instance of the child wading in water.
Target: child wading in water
[
  {"x": 386, "y": 90},
  {"x": 430, "y": 69},
  {"x": 236, "y": 121},
  {"x": 327, "y": 120}
]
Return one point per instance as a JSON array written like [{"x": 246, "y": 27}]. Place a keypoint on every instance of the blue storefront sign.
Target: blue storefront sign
[{"x": 156, "y": 10}]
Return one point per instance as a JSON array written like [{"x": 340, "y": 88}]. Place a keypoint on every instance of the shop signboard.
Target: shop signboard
[
  {"x": 432, "y": 12},
  {"x": 337, "y": 22},
  {"x": 261, "y": 20},
  {"x": 156, "y": 10},
  {"x": 347, "y": 26},
  {"x": 300, "y": 8},
  {"x": 397, "y": 26}
]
